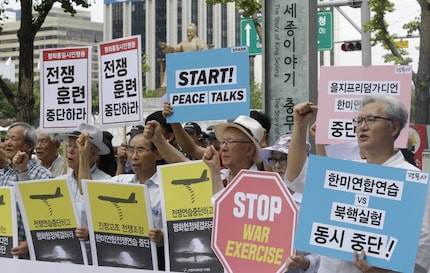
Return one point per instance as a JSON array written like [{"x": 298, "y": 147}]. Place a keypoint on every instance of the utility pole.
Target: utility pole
[{"x": 366, "y": 48}]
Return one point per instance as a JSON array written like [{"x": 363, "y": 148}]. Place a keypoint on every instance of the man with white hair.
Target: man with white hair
[
  {"x": 239, "y": 149},
  {"x": 47, "y": 153},
  {"x": 20, "y": 141}
]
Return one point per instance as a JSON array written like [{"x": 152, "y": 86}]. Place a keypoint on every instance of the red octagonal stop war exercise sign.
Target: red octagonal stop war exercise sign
[{"x": 254, "y": 223}]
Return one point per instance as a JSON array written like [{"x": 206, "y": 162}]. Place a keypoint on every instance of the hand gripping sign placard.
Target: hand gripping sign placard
[{"x": 254, "y": 223}]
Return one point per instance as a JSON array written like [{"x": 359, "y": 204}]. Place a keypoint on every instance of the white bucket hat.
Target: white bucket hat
[
  {"x": 247, "y": 125},
  {"x": 282, "y": 144},
  {"x": 95, "y": 134}
]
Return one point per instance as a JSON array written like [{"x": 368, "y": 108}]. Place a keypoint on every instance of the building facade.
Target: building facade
[
  {"x": 59, "y": 30},
  {"x": 166, "y": 21}
]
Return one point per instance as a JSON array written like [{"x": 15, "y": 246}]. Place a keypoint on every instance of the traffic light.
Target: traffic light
[{"x": 351, "y": 46}]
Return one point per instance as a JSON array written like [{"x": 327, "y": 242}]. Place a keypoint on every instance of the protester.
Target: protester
[
  {"x": 194, "y": 131},
  {"x": 107, "y": 163},
  {"x": 85, "y": 145},
  {"x": 239, "y": 146},
  {"x": 47, "y": 152},
  {"x": 20, "y": 141},
  {"x": 378, "y": 124},
  {"x": 143, "y": 156}
]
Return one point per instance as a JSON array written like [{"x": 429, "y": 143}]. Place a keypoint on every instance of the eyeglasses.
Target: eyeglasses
[
  {"x": 139, "y": 151},
  {"x": 369, "y": 120},
  {"x": 228, "y": 143},
  {"x": 281, "y": 160}
]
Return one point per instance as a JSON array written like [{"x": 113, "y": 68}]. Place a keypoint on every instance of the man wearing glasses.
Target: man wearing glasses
[{"x": 378, "y": 124}]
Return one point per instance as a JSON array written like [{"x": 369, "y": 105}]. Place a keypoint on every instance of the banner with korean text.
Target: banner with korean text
[
  {"x": 65, "y": 88},
  {"x": 208, "y": 84},
  {"x": 188, "y": 224},
  {"x": 8, "y": 228},
  {"x": 341, "y": 89},
  {"x": 120, "y": 82},
  {"x": 350, "y": 206},
  {"x": 50, "y": 220},
  {"x": 119, "y": 220}
]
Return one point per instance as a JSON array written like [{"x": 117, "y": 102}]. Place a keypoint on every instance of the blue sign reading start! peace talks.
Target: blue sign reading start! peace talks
[
  {"x": 350, "y": 206},
  {"x": 209, "y": 84}
]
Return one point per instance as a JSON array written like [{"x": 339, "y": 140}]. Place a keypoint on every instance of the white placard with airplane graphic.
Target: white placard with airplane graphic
[
  {"x": 188, "y": 214},
  {"x": 119, "y": 220},
  {"x": 50, "y": 219}
]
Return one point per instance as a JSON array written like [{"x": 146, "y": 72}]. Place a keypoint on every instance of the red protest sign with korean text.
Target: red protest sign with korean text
[{"x": 254, "y": 223}]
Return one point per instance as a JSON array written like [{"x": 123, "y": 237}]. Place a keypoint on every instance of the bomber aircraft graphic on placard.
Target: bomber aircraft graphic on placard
[
  {"x": 45, "y": 197},
  {"x": 116, "y": 201},
  {"x": 188, "y": 182}
]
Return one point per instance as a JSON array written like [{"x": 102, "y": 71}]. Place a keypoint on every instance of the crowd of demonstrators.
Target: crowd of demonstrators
[
  {"x": 379, "y": 123},
  {"x": 231, "y": 147}
]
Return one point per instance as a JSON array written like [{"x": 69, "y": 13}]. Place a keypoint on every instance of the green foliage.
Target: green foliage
[
  {"x": 412, "y": 26},
  {"x": 145, "y": 67},
  {"x": 256, "y": 95},
  {"x": 379, "y": 28},
  {"x": 43, "y": 6},
  {"x": 248, "y": 7},
  {"x": 36, "y": 109},
  {"x": 150, "y": 93}
]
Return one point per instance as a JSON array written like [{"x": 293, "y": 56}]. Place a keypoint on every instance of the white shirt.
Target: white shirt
[
  {"x": 153, "y": 185},
  {"x": 96, "y": 174}
]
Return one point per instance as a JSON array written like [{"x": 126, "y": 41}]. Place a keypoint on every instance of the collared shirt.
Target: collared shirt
[
  {"x": 9, "y": 175},
  {"x": 334, "y": 265},
  {"x": 153, "y": 185},
  {"x": 57, "y": 166},
  {"x": 96, "y": 174}
]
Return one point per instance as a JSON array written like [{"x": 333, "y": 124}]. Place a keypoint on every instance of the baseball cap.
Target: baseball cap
[{"x": 192, "y": 127}]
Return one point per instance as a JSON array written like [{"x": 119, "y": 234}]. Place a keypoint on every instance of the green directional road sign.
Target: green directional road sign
[
  {"x": 249, "y": 36},
  {"x": 325, "y": 30}
]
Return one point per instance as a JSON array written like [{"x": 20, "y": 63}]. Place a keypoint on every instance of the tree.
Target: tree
[
  {"x": 256, "y": 95},
  {"x": 421, "y": 78},
  {"x": 23, "y": 99}
]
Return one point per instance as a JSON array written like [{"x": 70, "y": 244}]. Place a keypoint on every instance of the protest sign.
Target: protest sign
[
  {"x": 119, "y": 220},
  {"x": 254, "y": 223},
  {"x": 213, "y": 83},
  {"x": 120, "y": 82},
  {"x": 188, "y": 224},
  {"x": 50, "y": 220},
  {"x": 341, "y": 89},
  {"x": 350, "y": 206},
  {"x": 8, "y": 228},
  {"x": 65, "y": 88}
]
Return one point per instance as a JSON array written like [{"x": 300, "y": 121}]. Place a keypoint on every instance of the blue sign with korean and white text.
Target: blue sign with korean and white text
[
  {"x": 208, "y": 84},
  {"x": 350, "y": 206}
]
